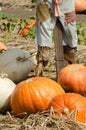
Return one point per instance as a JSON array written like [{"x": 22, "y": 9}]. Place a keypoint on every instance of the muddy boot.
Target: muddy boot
[
  {"x": 70, "y": 54},
  {"x": 42, "y": 60},
  {"x": 70, "y": 57}
]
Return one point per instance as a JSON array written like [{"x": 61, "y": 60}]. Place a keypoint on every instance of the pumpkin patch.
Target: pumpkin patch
[{"x": 43, "y": 105}]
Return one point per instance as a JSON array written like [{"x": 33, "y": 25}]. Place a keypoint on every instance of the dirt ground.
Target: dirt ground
[
  {"x": 25, "y": 9},
  {"x": 40, "y": 121},
  {"x": 20, "y": 9}
]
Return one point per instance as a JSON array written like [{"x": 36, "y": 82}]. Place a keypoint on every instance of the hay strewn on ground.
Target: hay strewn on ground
[{"x": 40, "y": 121}]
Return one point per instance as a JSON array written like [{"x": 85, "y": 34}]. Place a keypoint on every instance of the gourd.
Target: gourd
[
  {"x": 6, "y": 88},
  {"x": 34, "y": 94},
  {"x": 68, "y": 103},
  {"x": 73, "y": 78},
  {"x": 16, "y": 63},
  {"x": 80, "y": 5}
]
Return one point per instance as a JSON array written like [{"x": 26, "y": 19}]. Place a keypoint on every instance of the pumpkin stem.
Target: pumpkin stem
[
  {"x": 3, "y": 75},
  {"x": 75, "y": 69},
  {"x": 21, "y": 59},
  {"x": 29, "y": 80}
]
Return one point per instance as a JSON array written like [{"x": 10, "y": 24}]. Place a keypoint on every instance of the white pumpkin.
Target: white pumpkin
[
  {"x": 16, "y": 63},
  {"x": 6, "y": 88}
]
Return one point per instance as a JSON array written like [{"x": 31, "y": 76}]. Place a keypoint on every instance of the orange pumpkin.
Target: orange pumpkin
[
  {"x": 34, "y": 94},
  {"x": 3, "y": 46},
  {"x": 73, "y": 78},
  {"x": 80, "y": 5},
  {"x": 24, "y": 31},
  {"x": 33, "y": 23},
  {"x": 70, "y": 102}
]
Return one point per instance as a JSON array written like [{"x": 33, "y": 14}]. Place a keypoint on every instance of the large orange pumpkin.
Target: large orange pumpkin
[
  {"x": 34, "y": 94},
  {"x": 73, "y": 78},
  {"x": 68, "y": 103},
  {"x": 80, "y": 5}
]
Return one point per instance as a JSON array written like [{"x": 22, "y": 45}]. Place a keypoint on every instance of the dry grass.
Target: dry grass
[{"x": 40, "y": 121}]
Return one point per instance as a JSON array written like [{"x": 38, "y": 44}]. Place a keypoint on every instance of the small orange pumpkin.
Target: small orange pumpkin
[
  {"x": 33, "y": 23},
  {"x": 34, "y": 94},
  {"x": 73, "y": 78},
  {"x": 70, "y": 102},
  {"x": 3, "y": 46},
  {"x": 24, "y": 31},
  {"x": 80, "y": 5}
]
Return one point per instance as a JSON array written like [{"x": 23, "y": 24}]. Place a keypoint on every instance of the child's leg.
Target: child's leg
[
  {"x": 69, "y": 39},
  {"x": 44, "y": 31},
  {"x": 69, "y": 33}
]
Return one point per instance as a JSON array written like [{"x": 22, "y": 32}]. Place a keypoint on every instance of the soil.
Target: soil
[{"x": 25, "y": 9}]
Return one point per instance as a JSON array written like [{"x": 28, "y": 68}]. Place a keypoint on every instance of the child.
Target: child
[{"x": 48, "y": 11}]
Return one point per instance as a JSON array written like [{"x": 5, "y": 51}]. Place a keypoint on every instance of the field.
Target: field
[{"x": 19, "y": 11}]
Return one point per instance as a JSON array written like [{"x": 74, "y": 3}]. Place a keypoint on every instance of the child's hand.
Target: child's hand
[{"x": 70, "y": 17}]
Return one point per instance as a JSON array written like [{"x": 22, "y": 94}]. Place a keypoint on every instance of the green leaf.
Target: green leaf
[
  {"x": 32, "y": 32},
  {"x": 84, "y": 32},
  {"x": 0, "y": 15},
  {"x": 80, "y": 38},
  {"x": 23, "y": 24}
]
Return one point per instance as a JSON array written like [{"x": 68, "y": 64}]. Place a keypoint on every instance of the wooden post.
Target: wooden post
[{"x": 58, "y": 47}]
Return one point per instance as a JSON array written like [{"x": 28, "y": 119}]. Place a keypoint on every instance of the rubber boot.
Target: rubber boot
[{"x": 42, "y": 60}]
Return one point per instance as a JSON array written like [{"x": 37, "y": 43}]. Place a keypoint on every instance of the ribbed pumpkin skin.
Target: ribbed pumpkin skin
[
  {"x": 70, "y": 102},
  {"x": 80, "y": 5},
  {"x": 73, "y": 78},
  {"x": 34, "y": 94}
]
